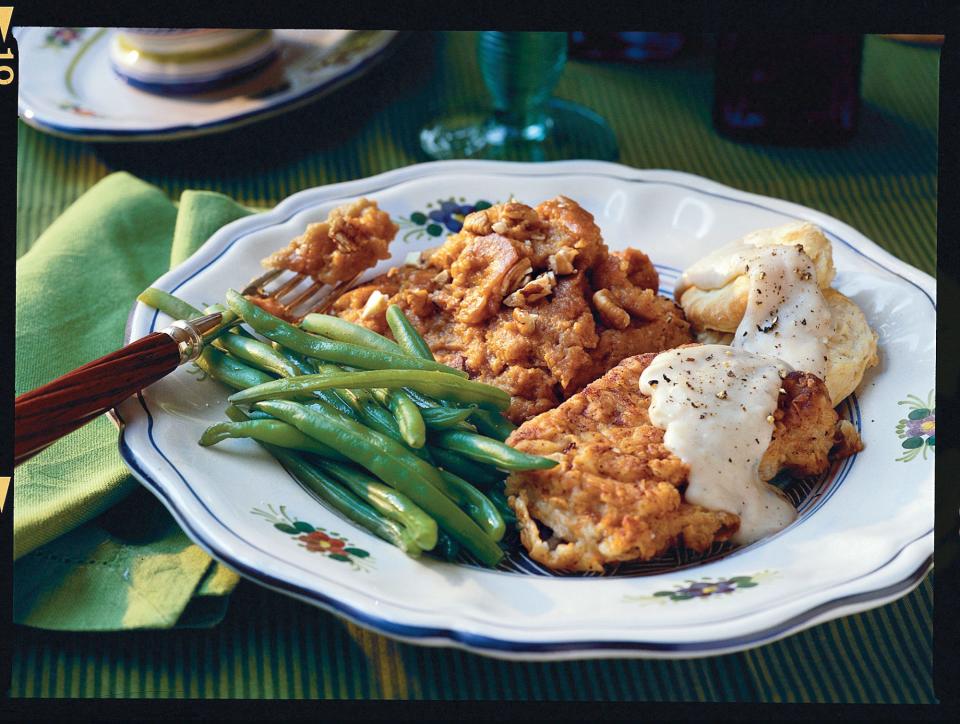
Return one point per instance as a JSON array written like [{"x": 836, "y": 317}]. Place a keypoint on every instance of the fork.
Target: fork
[
  {"x": 296, "y": 293},
  {"x": 47, "y": 413}
]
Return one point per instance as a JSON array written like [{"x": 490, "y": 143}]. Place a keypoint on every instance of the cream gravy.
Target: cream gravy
[
  {"x": 716, "y": 404},
  {"x": 787, "y": 316},
  {"x": 722, "y": 265}
]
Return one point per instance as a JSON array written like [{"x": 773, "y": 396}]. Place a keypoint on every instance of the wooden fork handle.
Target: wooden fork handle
[{"x": 47, "y": 413}]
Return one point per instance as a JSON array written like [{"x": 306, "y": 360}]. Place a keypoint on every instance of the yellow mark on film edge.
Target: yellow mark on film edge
[
  {"x": 6, "y": 12},
  {"x": 4, "y": 485}
]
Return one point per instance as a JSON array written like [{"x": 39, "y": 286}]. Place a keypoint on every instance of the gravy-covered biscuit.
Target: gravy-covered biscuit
[{"x": 714, "y": 295}]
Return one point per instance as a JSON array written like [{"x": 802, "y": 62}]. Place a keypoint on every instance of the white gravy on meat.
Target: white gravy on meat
[{"x": 715, "y": 404}]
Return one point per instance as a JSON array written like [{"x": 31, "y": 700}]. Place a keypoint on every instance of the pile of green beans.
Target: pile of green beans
[{"x": 377, "y": 429}]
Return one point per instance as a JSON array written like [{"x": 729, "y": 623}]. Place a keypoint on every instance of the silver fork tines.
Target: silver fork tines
[{"x": 297, "y": 294}]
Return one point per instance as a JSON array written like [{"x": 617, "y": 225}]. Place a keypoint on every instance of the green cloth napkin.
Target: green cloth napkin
[{"x": 93, "y": 549}]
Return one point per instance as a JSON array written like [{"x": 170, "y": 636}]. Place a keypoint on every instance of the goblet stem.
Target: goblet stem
[{"x": 520, "y": 71}]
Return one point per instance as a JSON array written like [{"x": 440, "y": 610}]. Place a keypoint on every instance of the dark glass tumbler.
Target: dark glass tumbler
[{"x": 788, "y": 89}]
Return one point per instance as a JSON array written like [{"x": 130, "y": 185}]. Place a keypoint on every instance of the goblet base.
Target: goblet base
[{"x": 565, "y": 130}]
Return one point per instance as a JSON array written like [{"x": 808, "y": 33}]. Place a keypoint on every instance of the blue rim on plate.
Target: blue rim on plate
[
  {"x": 88, "y": 133},
  {"x": 487, "y": 644},
  {"x": 528, "y": 649}
]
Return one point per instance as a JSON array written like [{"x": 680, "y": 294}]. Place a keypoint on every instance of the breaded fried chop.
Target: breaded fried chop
[{"x": 616, "y": 494}]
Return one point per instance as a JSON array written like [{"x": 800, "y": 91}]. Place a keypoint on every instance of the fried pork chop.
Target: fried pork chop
[
  {"x": 527, "y": 299},
  {"x": 617, "y": 493}
]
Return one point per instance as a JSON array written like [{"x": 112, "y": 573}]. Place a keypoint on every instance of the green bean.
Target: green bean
[
  {"x": 407, "y": 335},
  {"x": 229, "y": 320},
  {"x": 409, "y": 338},
  {"x": 345, "y": 502},
  {"x": 380, "y": 394},
  {"x": 343, "y": 331},
  {"x": 395, "y": 400},
  {"x": 274, "y": 432},
  {"x": 500, "y": 501},
  {"x": 168, "y": 304},
  {"x": 435, "y": 383},
  {"x": 229, "y": 371},
  {"x": 336, "y": 401},
  {"x": 447, "y": 548},
  {"x": 390, "y": 398},
  {"x": 441, "y": 418},
  {"x": 304, "y": 364},
  {"x": 413, "y": 429},
  {"x": 365, "y": 409},
  {"x": 348, "y": 397},
  {"x": 475, "y": 503},
  {"x": 242, "y": 346},
  {"x": 338, "y": 498},
  {"x": 379, "y": 419},
  {"x": 346, "y": 401},
  {"x": 259, "y": 354},
  {"x": 327, "y": 368},
  {"x": 178, "y": 309},
  {"x": 424, "y": 402},
  {"x": 235, "y": 414},
  {"x": 476, "y": 473},
  {"x": 492, "y": 424},
  {"x": 296, "y": 339},
  {"x": 487, "y": 450},
  {"x": 227, "y": 316},
  {"x": 393, "y": 464},
  {"x": 386, "y": 501}
]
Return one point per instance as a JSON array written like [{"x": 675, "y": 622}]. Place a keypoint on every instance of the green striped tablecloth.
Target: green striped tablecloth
[{"x": 884, "y": 183}]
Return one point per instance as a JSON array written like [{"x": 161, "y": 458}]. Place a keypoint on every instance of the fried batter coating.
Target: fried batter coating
[
  {"x": 512, "y": 300},
  {"x": 616, "y": 494},
  {"x": 354, "y": 237}
]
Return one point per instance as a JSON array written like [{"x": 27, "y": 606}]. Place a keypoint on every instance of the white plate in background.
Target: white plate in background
[{"x": 68, "y": 88}]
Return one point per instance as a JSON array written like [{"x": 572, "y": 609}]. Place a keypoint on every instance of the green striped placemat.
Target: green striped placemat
[
  {"x": 270, "y": 646},
  {"x": 884, "y": 183}
]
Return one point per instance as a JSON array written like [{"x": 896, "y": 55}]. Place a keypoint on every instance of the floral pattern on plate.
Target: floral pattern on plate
[
  {"x": 63, "y": 37},
  {"x": 441, "y": 215},
  {"x": 316, "y": 539},
  {"x": 918, "y": 431},
  {"x": 704, "y": 587},
  {"x": 77, "y": 109}
]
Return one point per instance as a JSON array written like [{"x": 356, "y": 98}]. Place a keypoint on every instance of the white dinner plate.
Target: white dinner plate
[
  {"x": 68, "y": 88},
  {"x": 864, "y": 535}
]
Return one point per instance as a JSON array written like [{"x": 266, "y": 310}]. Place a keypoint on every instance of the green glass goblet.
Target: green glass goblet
[{"x": 520, "y": 70}]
